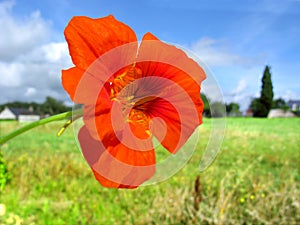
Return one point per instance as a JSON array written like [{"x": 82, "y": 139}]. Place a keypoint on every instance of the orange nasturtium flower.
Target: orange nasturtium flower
[{"x": 131, "y": 92}]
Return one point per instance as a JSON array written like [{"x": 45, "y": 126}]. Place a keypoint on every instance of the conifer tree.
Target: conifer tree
[
  {"x": 266, "y": 96},
  {"x": 261, "y": 106}
]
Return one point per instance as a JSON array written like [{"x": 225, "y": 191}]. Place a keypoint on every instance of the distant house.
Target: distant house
[
  {"x": 249, "y": 113},
  {"x": 22, "y": 115},
  {"x": 294, "y": 105},
  {"x": 277, "y": 113}
]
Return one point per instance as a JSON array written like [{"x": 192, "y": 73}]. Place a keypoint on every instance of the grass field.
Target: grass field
[{"x": 254, "y": 180}]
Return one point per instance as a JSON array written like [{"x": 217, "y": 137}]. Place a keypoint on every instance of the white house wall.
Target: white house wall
[
  {"x": 6, "y": 114},
  {"x": 28, "y": 118}
]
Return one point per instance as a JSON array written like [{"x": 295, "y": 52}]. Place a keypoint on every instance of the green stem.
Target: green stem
[{"x": 58, "y": 117}]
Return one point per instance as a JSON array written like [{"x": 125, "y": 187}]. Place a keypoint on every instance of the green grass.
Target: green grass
[{"x": 254, "y": 180}]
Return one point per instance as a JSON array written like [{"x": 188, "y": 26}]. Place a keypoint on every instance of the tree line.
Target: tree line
[
  {"x": 50, "y": 106},
  {"x": 219, "y": 109},
  {"x": 260, "y": 106}
]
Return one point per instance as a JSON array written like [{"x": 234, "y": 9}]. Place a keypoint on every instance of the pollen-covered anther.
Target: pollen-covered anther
[
  {"x": 139, "y": 117},
  {"x": 148, "y": 132},
  {"x": 129, "y": 98}
]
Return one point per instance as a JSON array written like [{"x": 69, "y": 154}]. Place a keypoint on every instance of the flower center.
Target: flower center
[
  {"x": 125, "y": 89},
  {"x": 122, "y": 78}
]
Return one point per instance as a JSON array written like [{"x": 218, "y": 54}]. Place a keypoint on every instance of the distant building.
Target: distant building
[
  {"x": 294, "y": 105},
  {"x": 278, "y": 113},
  {"x": 249, "y": 113},
  {"x": 22, "y": 115}
]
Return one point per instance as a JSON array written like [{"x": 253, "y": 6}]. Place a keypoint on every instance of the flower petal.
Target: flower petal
[
  {"x": 81, "y": 86},
  {"x": 107, "y": 122},
  {"x": 70, "y": 80},
  {"x": 174, "y": 126},
  {"x": 116, "y": 166},
  {"x": 125, "y": 166},
  {"x": 98, "y": 120},
  {"x": 153, "y": 53},
  {"x": 178, "y": 77},
  {"x": 89, "y": 38}
]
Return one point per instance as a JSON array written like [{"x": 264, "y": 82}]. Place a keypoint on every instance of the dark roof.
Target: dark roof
[
  {"x": 21, "y": 111},
  {"x": 292, "y": 102}
]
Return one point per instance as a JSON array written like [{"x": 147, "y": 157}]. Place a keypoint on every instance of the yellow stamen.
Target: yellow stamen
[
  {"x": 61, "y": 131},
  {"x": 148, "y": 132}
]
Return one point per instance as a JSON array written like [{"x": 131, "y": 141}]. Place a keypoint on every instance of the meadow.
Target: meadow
[{"x": 255, "y": 179}]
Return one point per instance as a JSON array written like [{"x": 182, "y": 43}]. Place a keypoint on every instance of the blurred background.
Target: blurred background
[{"x": 250, "y": 48}]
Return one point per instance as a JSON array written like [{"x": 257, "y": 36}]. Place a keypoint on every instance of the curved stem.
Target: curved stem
[{"x": 58, "y": 117}]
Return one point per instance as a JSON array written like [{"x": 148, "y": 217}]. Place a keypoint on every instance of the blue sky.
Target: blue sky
[{"x": 236, "y": 39}]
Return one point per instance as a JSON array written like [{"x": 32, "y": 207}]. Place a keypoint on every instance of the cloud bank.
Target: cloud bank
[{"x": 30, "y": 65}]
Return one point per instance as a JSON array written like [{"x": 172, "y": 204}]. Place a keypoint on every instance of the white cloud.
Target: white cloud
[
  {"x": 6, "y": 6},
  {"x": 10, "y": 74},
  {"x": 237, "y": 73},
  {"x": 211, "y": 88},
  {"x": 55, "y": 52},
  {"x": 30, "y": 66},
  {"x": 215, "y": 53},
  {"x": 290, "y": 95},
  {"x": 20, "y": 35},
  {"x": 241, "y": 87},
  {"x": 240, "y": 84},
  {"x": 240, "y": 94},
  {"x": 39, "y": 69},
  {"x": 30, "y": 91}
]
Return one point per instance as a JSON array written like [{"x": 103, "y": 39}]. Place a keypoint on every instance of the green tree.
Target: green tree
[
  {"x": 218, "y": 109},
  {"x": 212, "y": 109},
  {"x": 280, "y": 104},
  {"x": 258, "y": 109},
  {"x": 267, "y": 94},
  {"x": 262, "y": 105},
  {"x": 206, "y": 111},
  {"x": 52, "y": 106},
  {"x": 233, "y": 109}
]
